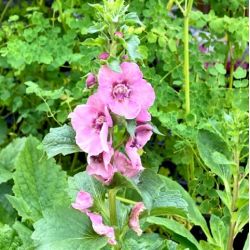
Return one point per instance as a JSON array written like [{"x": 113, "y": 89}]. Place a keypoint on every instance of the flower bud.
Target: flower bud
[
  {"x": 104, "y": 56},
  {"x": 91, "y": 80},
  {"x": 119, "y": 34}
]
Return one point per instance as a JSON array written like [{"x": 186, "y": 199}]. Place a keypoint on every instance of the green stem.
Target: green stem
[
  {"x": 73, "y": 162},
  {"x": 231, "y": 65},
  {"x": 186, "y": 56},
  {"x": 113, "y": 213},
  {"x": 126, "y": 200},
  {"x": 5, "y": 9}
]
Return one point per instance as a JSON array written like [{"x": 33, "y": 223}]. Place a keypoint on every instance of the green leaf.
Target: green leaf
[
  {"x": 8, "y": 158},
  {"x": 242, "y": 216},
  {"x": 39, "y": 183},
  {"x": 246, "y": 245},
  {"x": 172, "y": 45},
  {"x": 159, "y": 198},
  {"x": 84, "y": 182},
  {"x": 132, "y": 18},
  {"x": 178, "y": 231},
  {"x": 240, "y": 73},
  {"x": 25, "y": 235},
  {"x": 132, "y": 47},
  {"x": 193, "y": 212},
  {"x": 131, "y": 126},
  {"x": 8, "y": 238},
  {"x": 219, "y": 231},
  {"x": 114, "y": 64},
  {"x": 220, "y": 68},
  {"x": 60, "y": 141},
  {"x": 209, "y": 145},
  {"x": 66, "y": 228},
  {"x": 3, "y": 129}
]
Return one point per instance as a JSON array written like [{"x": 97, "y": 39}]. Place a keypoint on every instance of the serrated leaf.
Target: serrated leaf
[
  {"x": 66, "y": 228},
  {"x": 39, "y": 183},
  {"x": 8, "y": 158},
  {"x": 178, "y": 231},
  {"x": 209, "y": 143},
  {"x": 60, "y": 141}
]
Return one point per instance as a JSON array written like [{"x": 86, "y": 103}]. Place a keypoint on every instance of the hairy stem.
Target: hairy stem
[{"x": 124, "y": 200}]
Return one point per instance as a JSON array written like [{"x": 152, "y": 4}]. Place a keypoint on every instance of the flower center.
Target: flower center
[
  {"x": 121, "y": 91},
  {"x": 97, "y": 124}
]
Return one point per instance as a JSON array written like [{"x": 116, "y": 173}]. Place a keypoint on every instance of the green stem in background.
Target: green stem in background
[
  {"x": 231, "y": 77},
  {"x": 186, "y": 56},
  {"x": 5, "y": 9},
  {"x": 73, "y": 162},
  {"x": 113, "y": 213}
]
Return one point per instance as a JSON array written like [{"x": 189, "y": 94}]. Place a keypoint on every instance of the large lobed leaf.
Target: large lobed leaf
[
  {"x": 39, "y": 183},
  {"x": 64, "y": 229}
]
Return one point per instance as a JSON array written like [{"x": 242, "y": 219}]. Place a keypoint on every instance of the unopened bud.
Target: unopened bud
[
  {"x": 104, "y": 56},
  {"x": 119, "y": 34},
  {"x": 91, "y": 80}
]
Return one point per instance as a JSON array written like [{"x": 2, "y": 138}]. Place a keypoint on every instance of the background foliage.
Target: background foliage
[{"x": 46, "y": 50}]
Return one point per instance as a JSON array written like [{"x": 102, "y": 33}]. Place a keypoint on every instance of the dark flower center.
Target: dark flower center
[
  {"x": 121, "y": 91},
  {"x": 97, "y": 124}
]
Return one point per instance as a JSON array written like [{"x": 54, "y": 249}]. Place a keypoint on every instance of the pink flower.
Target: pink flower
[
  {"x": 102, "y": 229},
  {"x": 83, "y": 201},
  {"x": 119, "y": 34},
  {"x": 99, "y": 166},
  {"x": 126, "y": 93},
  {"x": 91, "y": 80},
  {"x": 134, "y": 217},
  {"x": 104, "y": 56},
  {"x": 123, "y": 165},
  {"x": 143, "y": 134},
  {"x": 91, "y": 122},
  {"x": 143, "y": 116}
]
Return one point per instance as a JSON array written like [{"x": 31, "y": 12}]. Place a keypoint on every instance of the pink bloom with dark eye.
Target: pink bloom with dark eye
[
  {"x": 119, "y": 34},
  {"x": 123, "y": 165},
  {"x": 126, "y": 93},
  {"x": 134, "y": 217},
  {"x": 104, "y": 56},
  {"x": 102, "y": 229},
  {"x": 91, "y": 122},
  {"x": 99, "y": 166},
  {"x": 143, "y": 134},
  {"x": 91, "y": 80},
  {"x": 83, "y": 201}
]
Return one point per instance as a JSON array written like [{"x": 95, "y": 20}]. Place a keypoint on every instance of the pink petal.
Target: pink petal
[
  {"x": 131, "y": 72},
  {"x": 143, "y": 134},
  {"x": 104, "y": 137},
  {"x": 102, "y": 229},
  {"x": 143, "y": 92},
  {"x": 134, "y": 217},
  {"x": 106, "y": 77},
  {"x": 83, "y": 201},
  {"x": 129, "y": 109},
  {"x": 143, "y": 116},
  {"x": 123, "y": 165}
]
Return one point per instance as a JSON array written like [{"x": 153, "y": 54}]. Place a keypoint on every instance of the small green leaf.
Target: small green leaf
[
  {"x": 60, "y": 141},
  {"x": 131, "y": 126},
  {"x": 220, "y": 68},
  {"x": 132, "y": 47},
  {"x": 132, "y": 18},
  {"x": 114, "y": 64},
  {"x": 240, "y": 73},
  {"x": 66, "y": 228}
]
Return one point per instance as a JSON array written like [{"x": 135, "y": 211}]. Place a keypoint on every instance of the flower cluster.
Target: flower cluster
[
  {"x": 84, "y": 202},
  {"x": 123, "y": 95}
]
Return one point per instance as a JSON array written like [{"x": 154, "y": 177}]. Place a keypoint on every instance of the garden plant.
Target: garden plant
[{"x": 124, "y": 125}]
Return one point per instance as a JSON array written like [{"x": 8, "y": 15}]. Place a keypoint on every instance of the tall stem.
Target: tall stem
[
  {"x": 186, "y": 56},
  {"x": 231, "y": 64}
]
